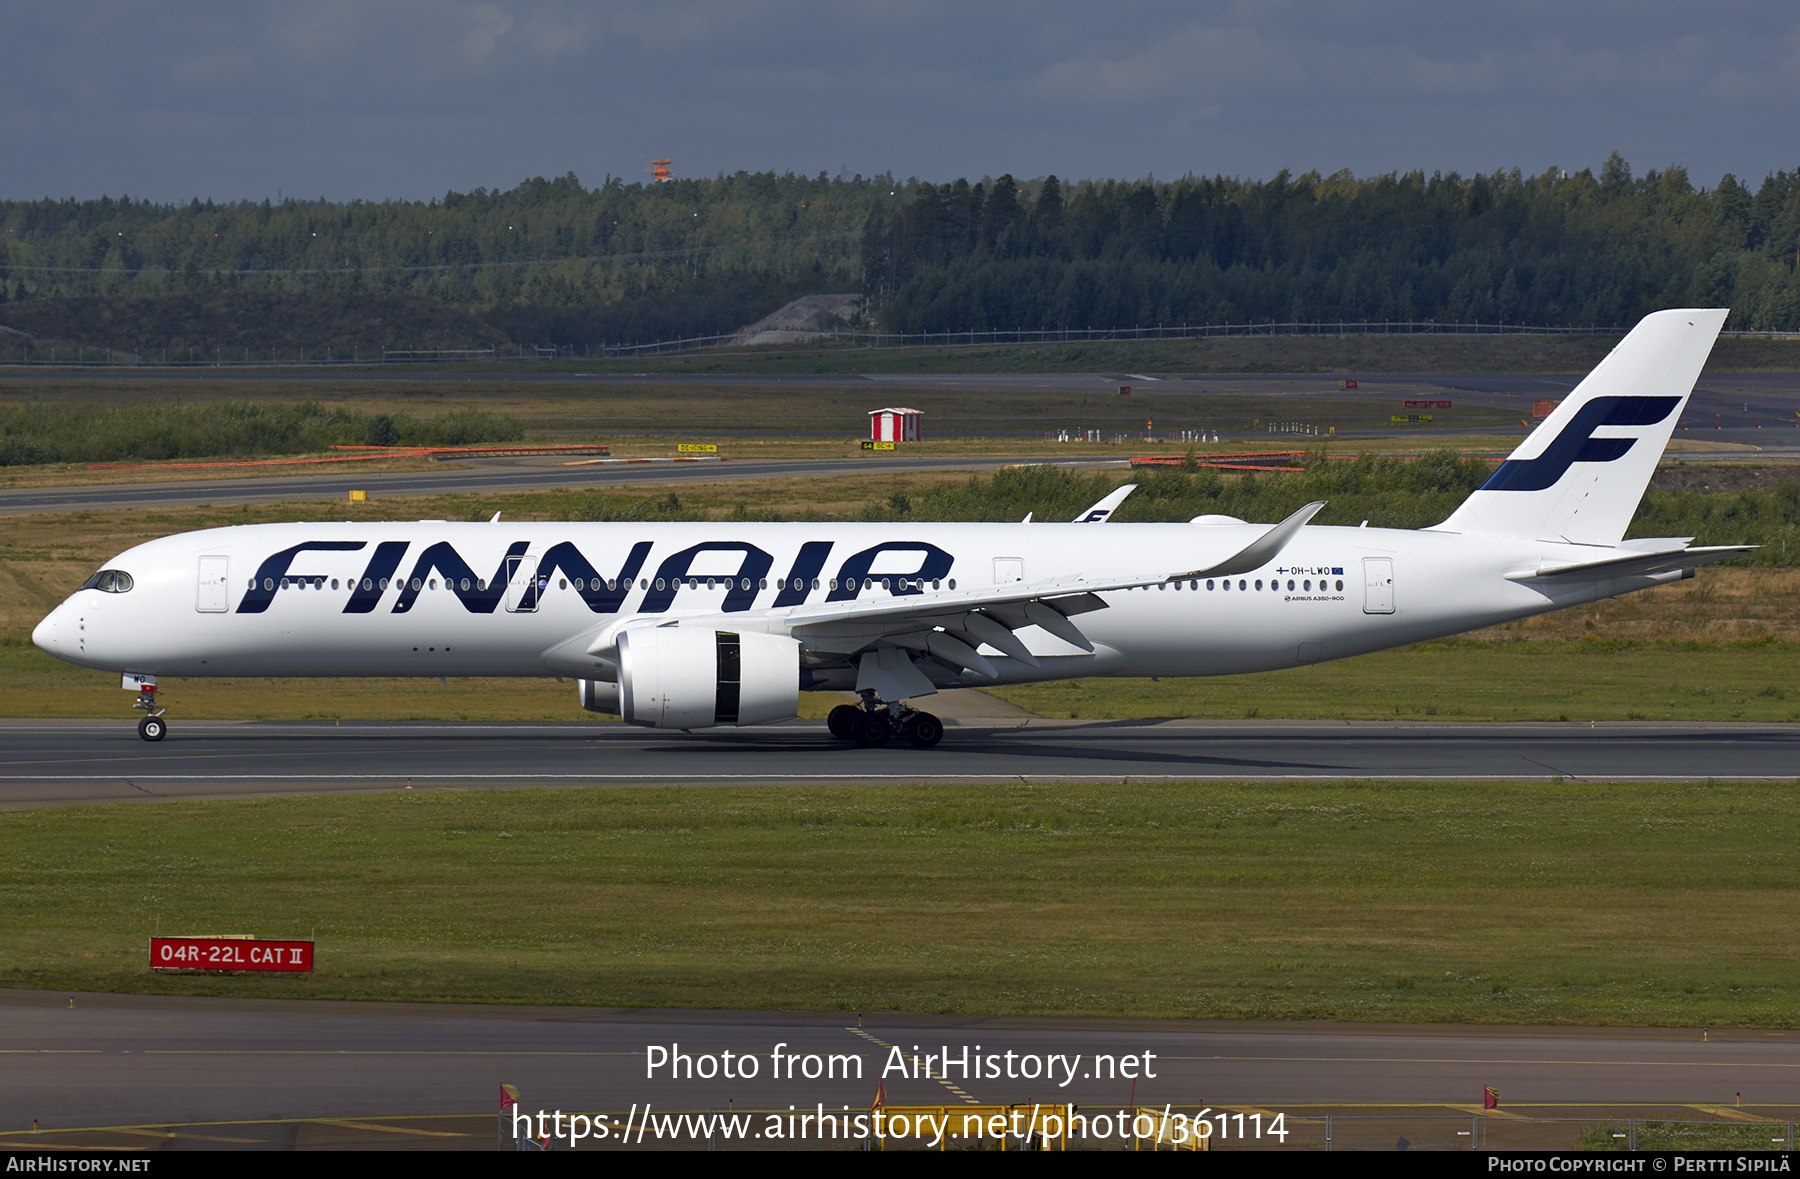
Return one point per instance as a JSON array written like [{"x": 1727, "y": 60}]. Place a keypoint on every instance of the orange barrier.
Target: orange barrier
[
  {"x": 1231, "y": 462},
  {"x": 373, "y": 452}
]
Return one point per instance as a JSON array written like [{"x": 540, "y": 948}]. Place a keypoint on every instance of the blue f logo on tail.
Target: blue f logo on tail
[{"x": 1576, "y": 443}]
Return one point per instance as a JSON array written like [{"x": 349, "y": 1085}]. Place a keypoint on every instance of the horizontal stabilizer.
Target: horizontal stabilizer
[{"x": 1633, "y": 564}]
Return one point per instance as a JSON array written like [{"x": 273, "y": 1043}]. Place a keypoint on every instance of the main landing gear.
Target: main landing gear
[
  {"x": 874, "y": 723},
  {"x": 152, "y": 727}
]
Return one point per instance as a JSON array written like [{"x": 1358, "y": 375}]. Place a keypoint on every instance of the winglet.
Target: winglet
[
  {"x": 1262, "y": 550},
  {"x": 1102, "y": 511}
]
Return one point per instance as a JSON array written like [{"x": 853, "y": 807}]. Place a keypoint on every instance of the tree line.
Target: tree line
[
  {"x": 1555, "y": 249},
  {"x": 548, "y": 261},
  {"x": 553, "y": 262}
]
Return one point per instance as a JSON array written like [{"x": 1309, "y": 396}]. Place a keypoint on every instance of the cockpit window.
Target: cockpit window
[{"x": 112, "y": 581}]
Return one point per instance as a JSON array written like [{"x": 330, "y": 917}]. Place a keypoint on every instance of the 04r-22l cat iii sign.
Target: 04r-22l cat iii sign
[{"x": 692, "y": 625}]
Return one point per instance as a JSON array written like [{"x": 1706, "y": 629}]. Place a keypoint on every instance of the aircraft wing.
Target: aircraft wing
[
  {"x": 947, "y": 625},
  {"x": 950, "y": 626}
]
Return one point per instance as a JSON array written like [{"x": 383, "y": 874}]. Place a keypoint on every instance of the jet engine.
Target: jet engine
[
  {"x": 598, "y": 696},
  {"x": 674, "y": 677}
]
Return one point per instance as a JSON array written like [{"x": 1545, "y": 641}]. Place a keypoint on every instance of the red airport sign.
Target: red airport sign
[
  {"x": 219, "y": 953},
  {"x": 1428, "y": 405}
]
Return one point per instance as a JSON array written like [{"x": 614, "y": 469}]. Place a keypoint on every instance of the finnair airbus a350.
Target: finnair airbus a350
[{"x": 687, "y": 626}]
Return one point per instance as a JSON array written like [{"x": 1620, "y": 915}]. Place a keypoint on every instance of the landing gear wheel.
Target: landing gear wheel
[
  {"x": 151, "y": 728},
  {"x": 842, "y": 721},
  {"x": 925, "y": 730},
  {"x": 873, "y": 729}
]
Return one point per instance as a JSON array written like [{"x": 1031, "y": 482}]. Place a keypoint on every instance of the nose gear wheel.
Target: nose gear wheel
[{"x": 152, "y": 727}]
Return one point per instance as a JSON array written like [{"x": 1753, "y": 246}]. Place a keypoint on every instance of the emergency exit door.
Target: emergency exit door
[
  {"x": 211, "y": 596},
  {"x": 524, "y": 583}
]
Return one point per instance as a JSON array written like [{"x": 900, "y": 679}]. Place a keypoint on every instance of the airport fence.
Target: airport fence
[
  {"x": 840, "y": 338},
  {"x": 858, "y": 338}
]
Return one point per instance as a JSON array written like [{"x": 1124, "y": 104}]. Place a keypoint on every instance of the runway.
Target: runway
[
  {"x": 120, "y": 1060},
  {"x": 51, "y": 763},
  {"x": 465, "y": 478}
]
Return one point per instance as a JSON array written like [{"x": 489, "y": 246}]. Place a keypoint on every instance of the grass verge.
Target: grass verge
[
  {"x": 1469, "y": 680},
  {"x": 1474, "y": 902},
  {"x": 1447, "y": 680}
]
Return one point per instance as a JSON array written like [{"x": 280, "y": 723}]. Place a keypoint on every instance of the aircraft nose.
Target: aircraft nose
[{"x": 54, "y": 634}]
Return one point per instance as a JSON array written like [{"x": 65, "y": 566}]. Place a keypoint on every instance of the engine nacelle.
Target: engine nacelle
[
  {"x": 677, "y": 677},
  {"x": 598, "y": 696}
]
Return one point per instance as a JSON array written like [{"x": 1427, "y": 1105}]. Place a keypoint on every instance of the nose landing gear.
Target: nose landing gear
[
  {"x": 874, "y": 723},
  {"x": 152, "y": 727}
]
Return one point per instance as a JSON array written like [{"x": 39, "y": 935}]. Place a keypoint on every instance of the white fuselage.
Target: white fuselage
[{"x": 1353, "y": 590}]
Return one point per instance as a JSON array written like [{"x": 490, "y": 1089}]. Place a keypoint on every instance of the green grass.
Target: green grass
[
  {"x": 1486, "y": 902},
  {"x": 1469, "y": 680},
  {"x": 1447, "y": 680},
  {"x": 33, "y": 684},
  {"x": 1688, "y": 1136}
]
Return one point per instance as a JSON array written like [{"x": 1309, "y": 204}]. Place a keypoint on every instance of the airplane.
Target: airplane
[{"x": 694, "y": 625}]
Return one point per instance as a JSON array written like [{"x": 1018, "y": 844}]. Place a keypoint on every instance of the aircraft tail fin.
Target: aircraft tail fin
[{"x": 1579, "y": 476}]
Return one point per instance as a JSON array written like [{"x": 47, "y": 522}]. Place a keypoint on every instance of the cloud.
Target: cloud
[
  {"x": 1195, "y": 57},
  {"x": 358, "y": 96}
]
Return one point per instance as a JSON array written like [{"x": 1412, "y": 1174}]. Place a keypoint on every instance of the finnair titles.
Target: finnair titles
[{"x": 688, "y": 626}]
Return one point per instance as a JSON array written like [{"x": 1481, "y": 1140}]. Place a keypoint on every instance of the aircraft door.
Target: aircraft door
[
  {"x": 1008, "y": 569},
  {"x": 214, "y": 585},
  {"x": 1378, "y": 585},
  {"x": 524, "y": 585}
]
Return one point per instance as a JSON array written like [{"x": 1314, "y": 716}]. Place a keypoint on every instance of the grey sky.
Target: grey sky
[{"x": 409, "y": 98}]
